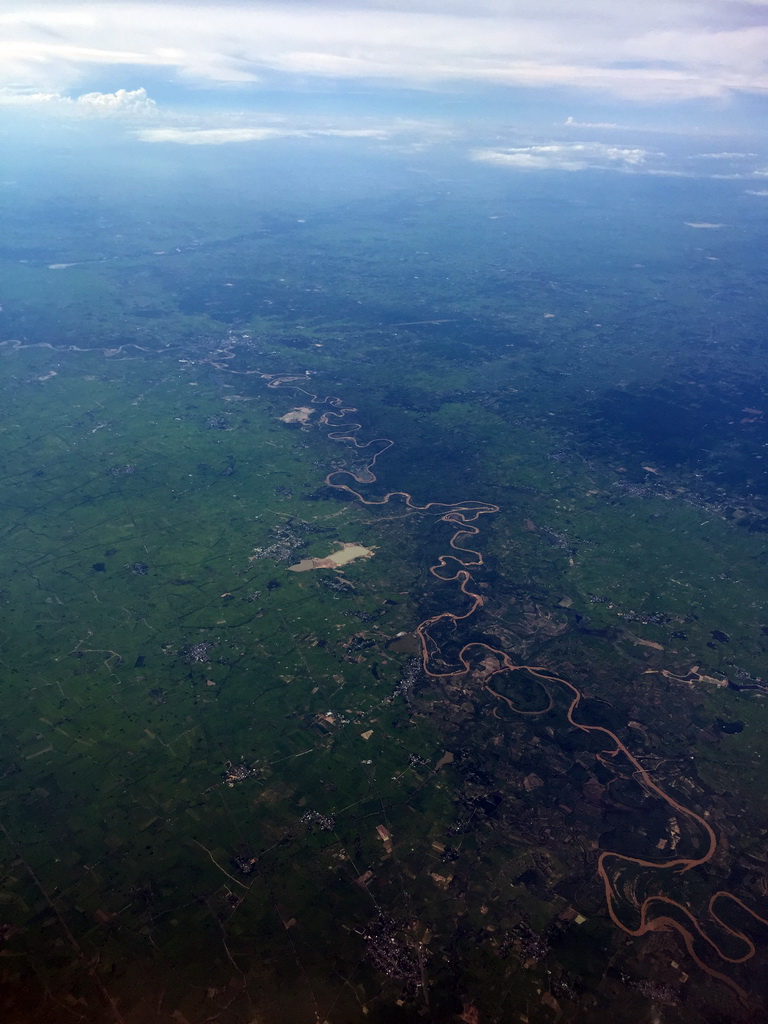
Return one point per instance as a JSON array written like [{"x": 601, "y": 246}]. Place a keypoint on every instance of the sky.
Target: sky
[{"x": 527, "y": 85}]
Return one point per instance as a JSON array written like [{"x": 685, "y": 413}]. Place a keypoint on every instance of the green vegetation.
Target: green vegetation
[{"x": 203, "y": 753}]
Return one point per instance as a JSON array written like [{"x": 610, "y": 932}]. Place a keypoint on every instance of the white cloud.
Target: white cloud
[
  {"x": 666, "y": 172},
  {"x": 122, "y": 103},
  {"x": 722, "y": 156},
  {"x": 208, "y": 136},
  {"x": 657, "y": 50},
  {"x": 564, "y": 157},
  {"x": 19, "y": 98},
  {"x": 221, "y": 136},
  {"x": 582, "y": 156},
  {"x": 573, "y": 123},
  {"x": 756, "y": 191}
]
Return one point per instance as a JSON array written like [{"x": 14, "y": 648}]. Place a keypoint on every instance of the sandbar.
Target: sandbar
[
  {"x": 300, "y": 415},
  {"x": 347, "y": 553}
]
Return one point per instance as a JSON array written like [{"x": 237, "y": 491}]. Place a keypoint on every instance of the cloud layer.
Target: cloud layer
[
  {"x": 656, "y": 51},
  {"x": 222, "y": 136},
  {"x": 565, "y": 157}
]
